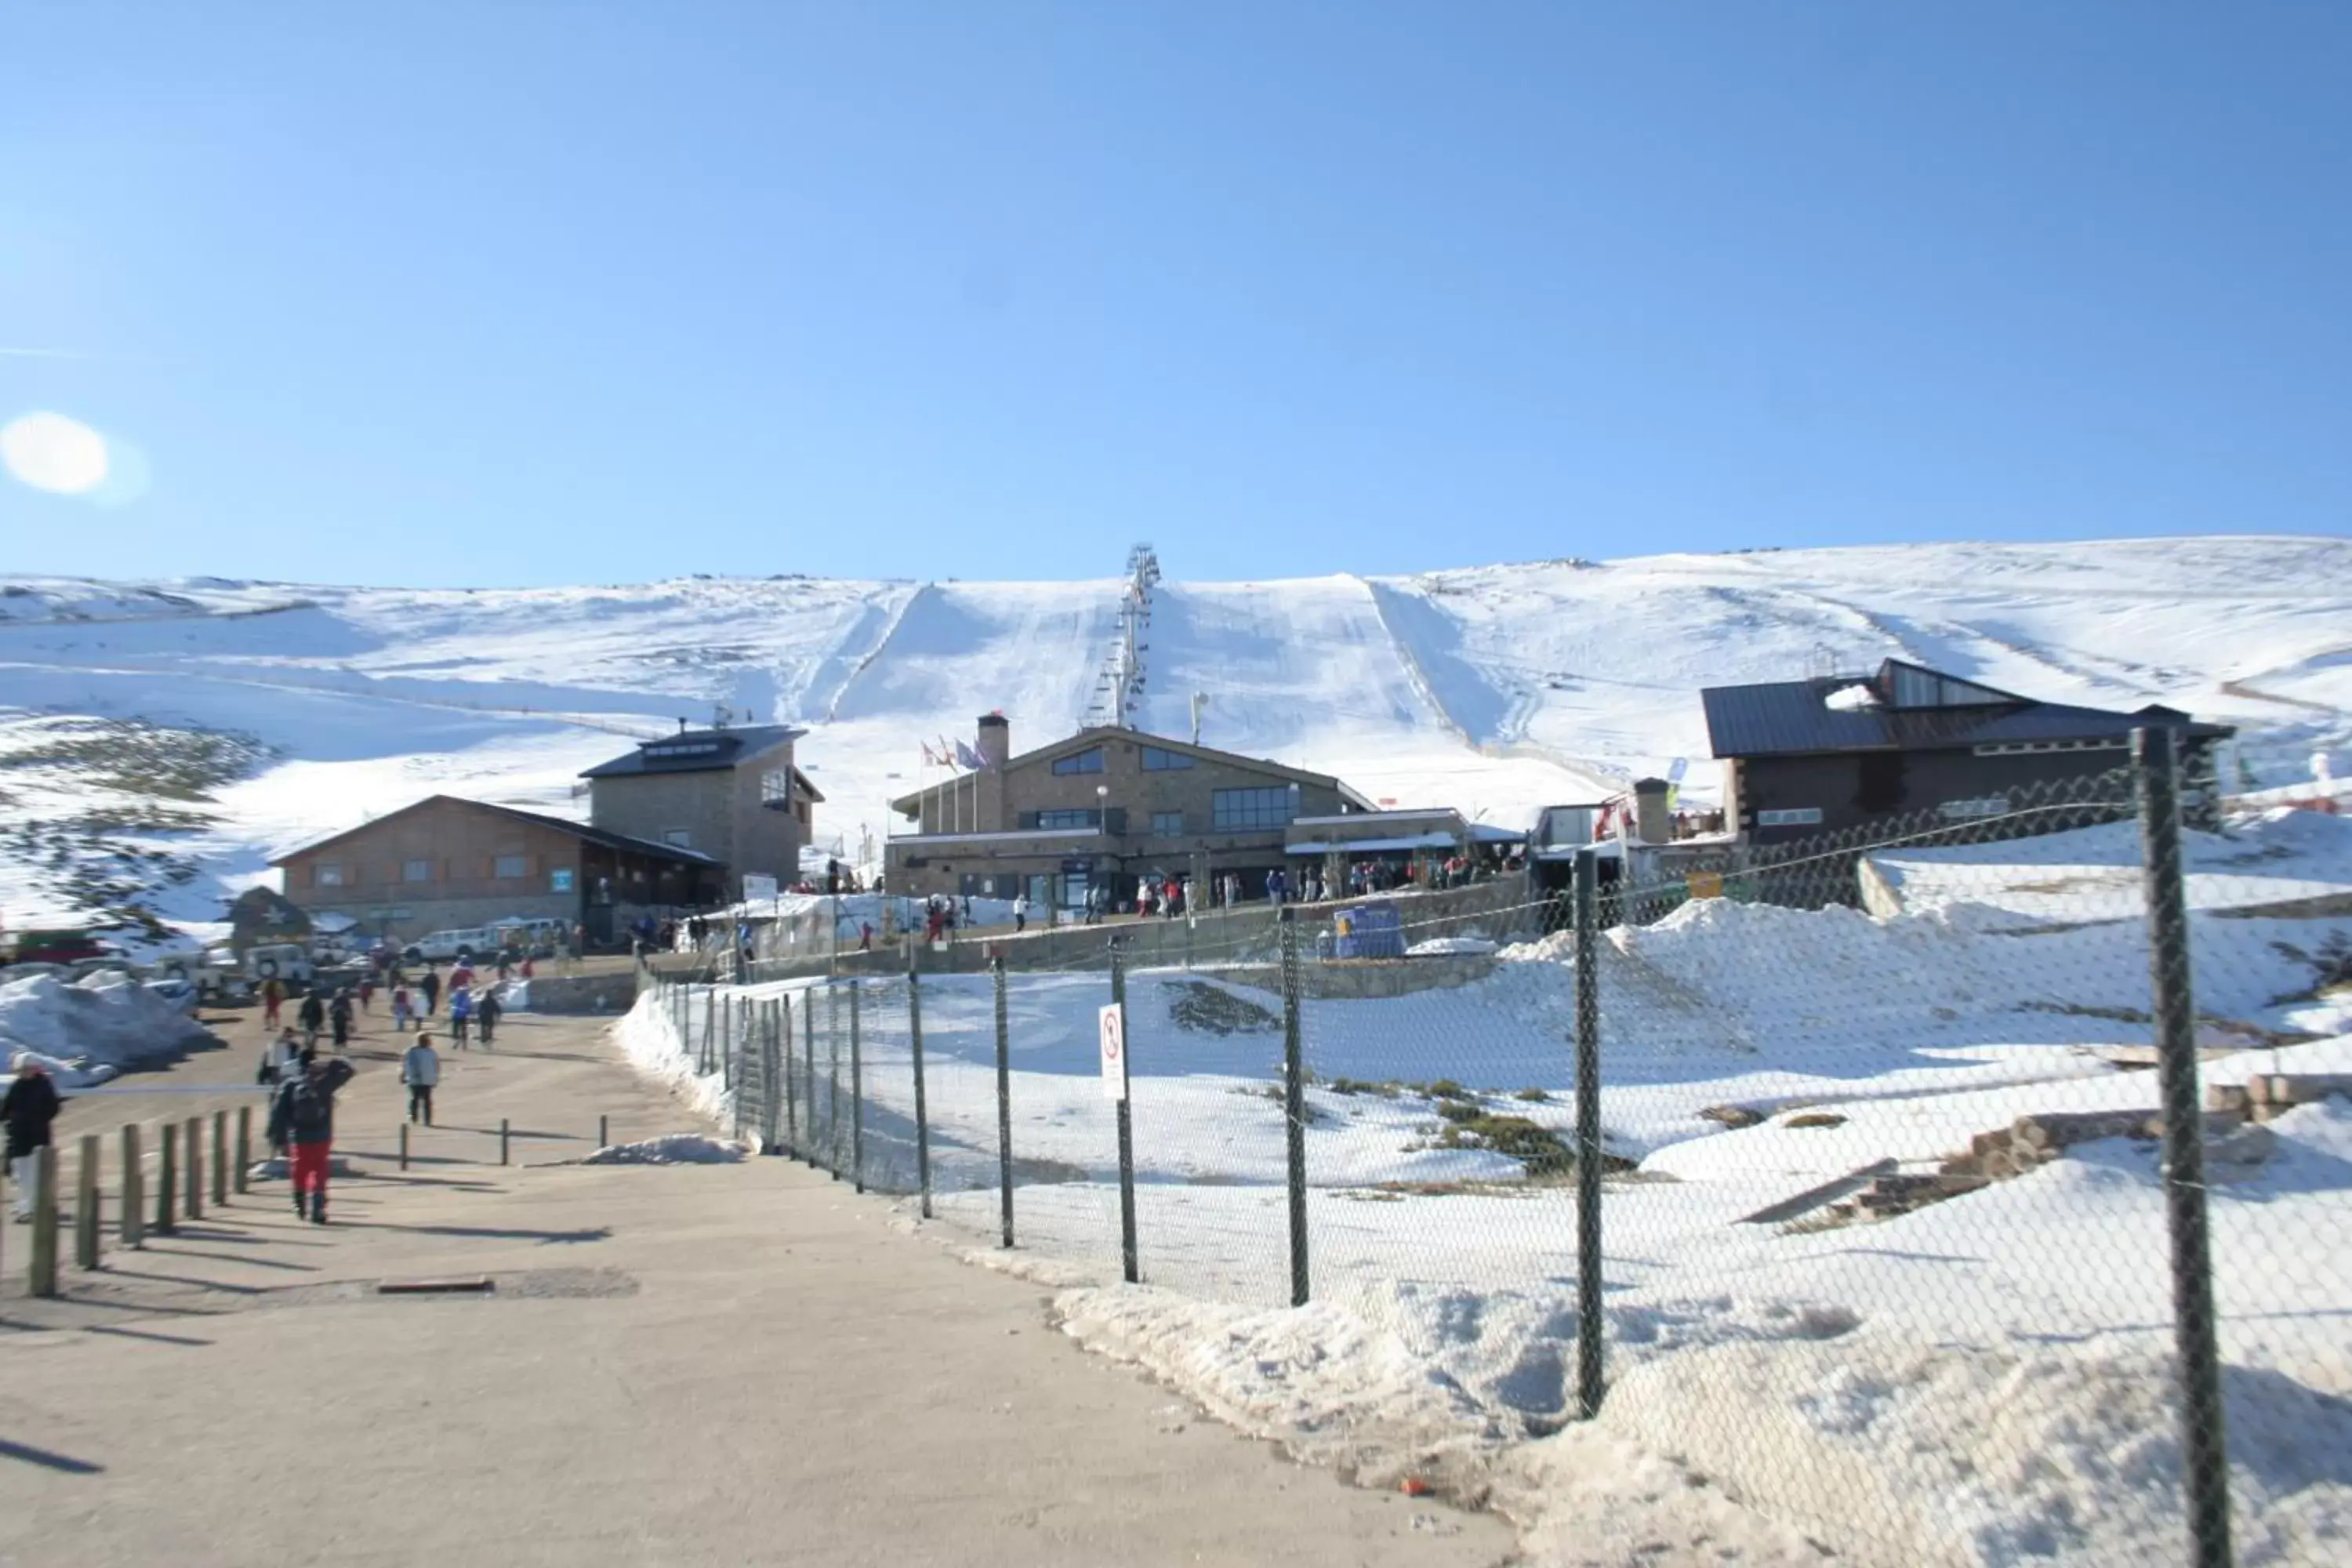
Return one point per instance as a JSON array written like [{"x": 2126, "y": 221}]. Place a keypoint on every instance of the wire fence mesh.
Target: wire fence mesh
[{"x": 1972, "y": 1185}]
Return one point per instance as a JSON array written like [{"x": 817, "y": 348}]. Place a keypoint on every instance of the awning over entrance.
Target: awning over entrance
[{"x": 1373, "y": 845}]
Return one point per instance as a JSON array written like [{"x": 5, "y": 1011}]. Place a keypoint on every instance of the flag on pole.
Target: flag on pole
[
  {"x": 947, "y": 753},
  {"x": 929, "y": 759},
  {"x": 966, "y": 757}
]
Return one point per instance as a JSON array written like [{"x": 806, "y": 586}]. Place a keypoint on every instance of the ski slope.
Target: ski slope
[{"x": 1497, "y": 690}]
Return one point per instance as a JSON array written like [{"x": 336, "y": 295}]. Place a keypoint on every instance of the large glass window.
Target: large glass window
[
  {"x": 1167, "y": 823},
  {"x": 1159, "y": 760},
  {"x": 1237, "y": 808},
  {"x": 511, "y": 867},
  {"x": 417, "y": 871},
  {"x": 1089, "y": 761},
  {"x": 328, "y": 875},
  {"x": 1051, "y": 820},
  {"x": 678, "y": 837}
]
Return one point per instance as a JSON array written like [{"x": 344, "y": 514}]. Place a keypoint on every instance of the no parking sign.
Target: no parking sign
[{"x": 1114, "y": 1051}]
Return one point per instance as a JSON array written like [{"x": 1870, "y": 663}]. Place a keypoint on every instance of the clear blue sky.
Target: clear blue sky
[{"x": 492, "y": 292}]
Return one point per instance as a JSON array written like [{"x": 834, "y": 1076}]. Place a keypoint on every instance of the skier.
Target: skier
[
  {"x": 303, "y": 1122},
  {"x": 486, "y": 1014},
  {"x": 420, "y": 1070},
  {"x": 338, "y": 1015},
  {"x": 1020, "y": 912},
  {"x": 312, "y": 1017},
  {"x": 29, "y": 1109},
  {"x": 461, "y": 1007},
  {"x": 278, "y": 1058}
]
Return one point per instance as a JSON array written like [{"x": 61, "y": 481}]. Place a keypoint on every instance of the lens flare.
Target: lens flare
[{"x": 51, "y": 452}]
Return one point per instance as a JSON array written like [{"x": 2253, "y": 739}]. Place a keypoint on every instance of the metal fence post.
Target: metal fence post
[
  {"x": 166, "y": 1174},
  {"x": 833, "y": 1077},
  {"x": 244, "y": 1174},
  {"x": 44, "y": 1279},
  {"x": 1588, "y": 1136},
  {"x": 1128, "y": 1259},
  {"x": 1294, "y": 1107},
  {"x": 134, "y": 1188},
  {"x": 856, "y": 1091},
  {"x": 808, "y": 1036},
  {"x": 1003, "y": 1102},
  {"x": 2204, "y": 1457},
  {"x": 792, "y": 1077},
  {"x": 922, "y": 1112},
  {"x": 86, "y": 1205}
]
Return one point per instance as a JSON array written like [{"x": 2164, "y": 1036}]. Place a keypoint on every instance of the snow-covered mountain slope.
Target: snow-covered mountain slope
[{"x": 1494, "y": 689}]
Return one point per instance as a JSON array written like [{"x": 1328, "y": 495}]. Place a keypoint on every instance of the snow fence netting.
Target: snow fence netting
[{"x": 1882, "y": 1193}]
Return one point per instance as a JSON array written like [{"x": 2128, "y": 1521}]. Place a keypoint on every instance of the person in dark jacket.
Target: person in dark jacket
[
  {"x": 431, "y": 987},
  {"x": 486, "y": 1014},
  {"x": 28, "y": 1107},
  {"x": 338, "y": 1015},
  {"x": 303, "y": 1122},
  {"x": 312, "y": 1017}
]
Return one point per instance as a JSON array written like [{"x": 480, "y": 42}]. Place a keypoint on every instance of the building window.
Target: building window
[
  {"x": 1793, "y": 816},
  {"x": 1086, "y": 762},
  {"x": 560, "y": 879},
  {"x": 1237, "y": 808},
  {"x": 687, "y": 749},
  {"x": 1168, "y": 824},
  {"x": 1053, "y": 819},
  {"x": 327, "y": 874},
  {"x": 417, "y": 871},
  {"x": 509, "y": 867},
  {"x": 678, "y": 837},
  {"x": 1159, "y": 760}
]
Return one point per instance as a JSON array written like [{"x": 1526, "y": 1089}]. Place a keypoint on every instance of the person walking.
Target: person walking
[
  {"x": 367, "y": 989},
  {"x": 312, "y": 1015},
  {"x": 273, "y": 997},
  {"x": 401, "y": 1012},
  {"x": 338, "y": 1018},
  {"x": 1019, "y": 912},
  {"x": 486, "y": 1014},
  {"x": 461, "y": 1008},
  {"x": 430, "y": 989},
  {"x": 303, "y": 1122},
  {"x": 279, "y": 1057},
  {"x": 420, "y": 1070},
  {"x": 29, "y": 1107}
]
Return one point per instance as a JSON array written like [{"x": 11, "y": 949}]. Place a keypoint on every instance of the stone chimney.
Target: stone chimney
[
  {"x": 1652, "y": 823},
  {"x": 995, "y": 739}
]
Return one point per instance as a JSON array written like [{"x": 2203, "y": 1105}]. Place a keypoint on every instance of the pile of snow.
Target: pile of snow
[
  {"x": 1439, "y": 946},
  {"x": 87, "y": 1031},
  {"x": 1851, "y": 698},
  {"x": 677, "y": 1149}
]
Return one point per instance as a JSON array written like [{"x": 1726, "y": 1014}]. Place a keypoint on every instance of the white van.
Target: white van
[{"x": 442, "y": 945}]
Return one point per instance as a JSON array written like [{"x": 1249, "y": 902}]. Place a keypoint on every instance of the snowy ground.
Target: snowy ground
[
  {"x": 85, "y": 1031},
  {"x": 1982, "y": 1380},
  {"x": 1497, "y": 689}
]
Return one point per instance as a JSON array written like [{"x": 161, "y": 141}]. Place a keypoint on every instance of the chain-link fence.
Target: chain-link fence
[{"x": 1974, "y": 1187}]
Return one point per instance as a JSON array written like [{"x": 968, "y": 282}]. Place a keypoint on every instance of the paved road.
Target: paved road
[{"x": 687, "y": 1364}]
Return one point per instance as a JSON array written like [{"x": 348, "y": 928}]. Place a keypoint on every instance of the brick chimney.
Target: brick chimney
[
  {"x": 995, "y": 739},
  {"x": 1652, "y": 823}
]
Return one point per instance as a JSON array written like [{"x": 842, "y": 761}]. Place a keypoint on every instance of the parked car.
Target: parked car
[
  {"x": 440, "y": 946},
  {"x": 52, "y": 947},
  {"x": 286, "y": 962}
]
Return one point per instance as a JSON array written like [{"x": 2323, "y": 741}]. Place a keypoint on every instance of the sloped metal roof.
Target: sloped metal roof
[
  {"x": 686, "y": 752},
  {"x": 1788, "y": 718}
]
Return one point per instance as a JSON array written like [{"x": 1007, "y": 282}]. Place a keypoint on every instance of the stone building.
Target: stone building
[
  {"x": 446, "y": 864},
  {"x": 1102, "y": 807},
  {"x": 732, "y": 794}
]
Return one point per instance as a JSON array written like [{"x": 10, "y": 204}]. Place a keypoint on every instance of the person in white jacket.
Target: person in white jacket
[{"x": 420, "y": 1070}]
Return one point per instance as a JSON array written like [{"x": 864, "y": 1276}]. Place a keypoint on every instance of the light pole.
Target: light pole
[{"x": 1102, "y": 825}]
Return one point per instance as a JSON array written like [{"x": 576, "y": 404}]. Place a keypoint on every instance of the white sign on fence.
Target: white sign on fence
[
  {"x": 758, "y": 889},
  {"x": 1114, "y": 1051}
]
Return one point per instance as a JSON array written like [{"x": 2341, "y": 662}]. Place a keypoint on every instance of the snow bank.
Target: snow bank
[
  {"x": 650, "y": 1041},
  {"x": 88, "y": 1031},
  {"x": 675, "y": 1149}
]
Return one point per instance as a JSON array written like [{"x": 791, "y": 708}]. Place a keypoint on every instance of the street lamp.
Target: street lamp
[{"x": 1102, "y": 825}]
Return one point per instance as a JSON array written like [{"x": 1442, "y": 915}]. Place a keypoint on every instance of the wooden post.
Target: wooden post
[
  {"x": 503, "y": 1134},
  {"x": 220, "y": 1157},
  {"x": 86, "y": 1205},
  {"x": 44, "y": 1279},
  {"x": 166, "y": 1197},
  {"x": 196, "y": 1184},
  {"x": 604, "y": 1133},
  {"x": 134, "y": 1188},
  {"x": 403, "y": 1145},
  {"x": 244, "y": 1149}
]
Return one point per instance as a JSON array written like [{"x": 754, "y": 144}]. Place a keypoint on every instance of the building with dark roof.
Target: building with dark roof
[
  {"x": 447, "y": 863},
  {"x": 1106, "y": 808},
  {"x": 732, "y": 793},
  {"x": 1808, "y": 757}
]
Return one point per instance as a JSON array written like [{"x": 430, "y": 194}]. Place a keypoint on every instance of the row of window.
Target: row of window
[
  {"x": 504, "y": 869},
  {"x": 1955, "y": 810},
  {"x": 1230, "y": 810},
  {"x": 1156, "y": 760}
]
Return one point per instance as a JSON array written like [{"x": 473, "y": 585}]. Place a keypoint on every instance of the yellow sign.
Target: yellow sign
[{"x": 1706, "y": 884}]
